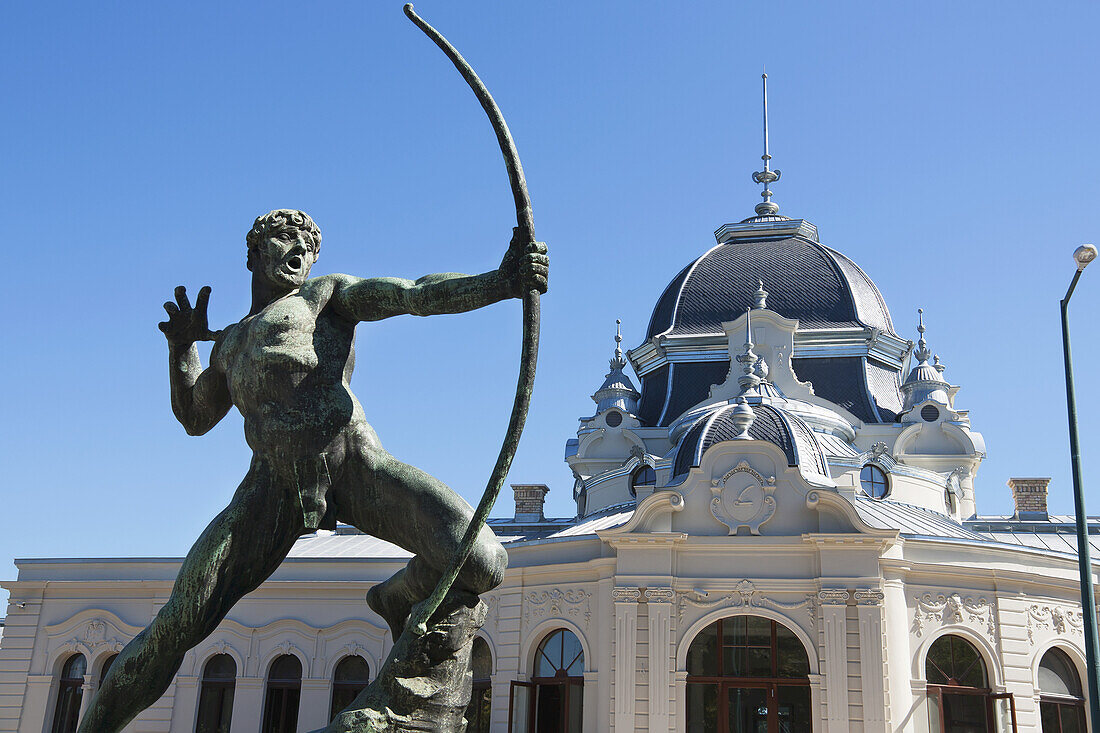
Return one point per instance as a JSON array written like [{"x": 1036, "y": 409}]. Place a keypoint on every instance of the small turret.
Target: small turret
[
  {"x": 925, "y": 381},
  {"x": 617, "y": 390}
]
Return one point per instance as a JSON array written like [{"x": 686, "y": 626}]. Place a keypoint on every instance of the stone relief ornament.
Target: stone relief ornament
[
  {"x": 743, "y": 498},
  {"x": 942, "y": 609},
  {"x": 572, "y": 604},
  {"x": 1058, "y": 619},
  {"x": 492, "y": 616},
  {"x": 745, "y": 595},
  {"x": 354, "y": 650},
  {"x": 93, "y": 637}
]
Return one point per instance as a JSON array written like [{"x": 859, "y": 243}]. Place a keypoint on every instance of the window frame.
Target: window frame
[
  {"x": 352, "y": 686},
  {"x": 1074, "y": 702},
  {"x": 721, "y": 683},
  {"x": 219, "y": 687},
  {"x": 639, "y": 470},
  {"x": 874, "y": 468},
  {"x": 571, "y": 685},
  {"x": 286, "y": 688},
  {"x": 66, "y": 707}
]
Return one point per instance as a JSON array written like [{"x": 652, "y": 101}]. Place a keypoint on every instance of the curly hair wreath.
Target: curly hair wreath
[{"x": 283, "y": 220}]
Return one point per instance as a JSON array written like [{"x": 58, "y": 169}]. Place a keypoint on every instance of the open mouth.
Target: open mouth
[{"x": 294, "y": 263}]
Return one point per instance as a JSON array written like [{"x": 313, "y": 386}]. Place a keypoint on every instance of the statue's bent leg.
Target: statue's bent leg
[
  {"x": 238, "y": 550},
  {"x": 404, "y": 505}
]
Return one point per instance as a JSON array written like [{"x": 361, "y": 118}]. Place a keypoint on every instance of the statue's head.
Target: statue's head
[{"x": 282, "y": 246}]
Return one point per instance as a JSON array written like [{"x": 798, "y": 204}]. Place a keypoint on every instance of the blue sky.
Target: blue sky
[{"x": 950, "y": 149}]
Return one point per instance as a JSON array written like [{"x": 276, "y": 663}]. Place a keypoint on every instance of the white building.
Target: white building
[{"x": 777, "y": 532}]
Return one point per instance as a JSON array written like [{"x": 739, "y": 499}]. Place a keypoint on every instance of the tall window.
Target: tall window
[
  {"x": 873, "y": 481},
  {"x": 747, "y": 673},
  {"x": 480, "y": 709},
  {"x": 106, "y": 668},
  {"x": 958, "y": 689},
  {"x": 643, "y": 476},
  {"x": 351, "y": 677},
  {"x": 70, "y": 690},
  {"x": 216, "y": 696},
  {"x": 1061, "y": 701},
  {"x": 284, "y": 690},
  {"x": 552, "y": 702}
]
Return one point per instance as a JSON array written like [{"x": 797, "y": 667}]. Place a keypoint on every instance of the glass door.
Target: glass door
[{"x": 747, "y": 709}]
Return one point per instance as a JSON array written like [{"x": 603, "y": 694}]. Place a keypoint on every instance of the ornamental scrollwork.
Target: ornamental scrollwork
[
  {"x": 94, "y": 637},
  {"x": 557, "y": 603},
  {"x": 1055, "y": 618},
  {"x": 743, "y": 498},
  {"x": 942, "y": 609},
  {"x": 745, "y": 595}
]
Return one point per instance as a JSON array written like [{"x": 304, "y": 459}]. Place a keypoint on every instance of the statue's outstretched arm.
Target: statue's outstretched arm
[
  {"x": 200, "y": 397},
  {"x": 373, "y": 299}
]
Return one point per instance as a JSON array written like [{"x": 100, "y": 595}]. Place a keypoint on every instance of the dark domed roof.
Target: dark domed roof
[
  {"x": 805, "y": 279},
  {"x": 771, "y": 425}
]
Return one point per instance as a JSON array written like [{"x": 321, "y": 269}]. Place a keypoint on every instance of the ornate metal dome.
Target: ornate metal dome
[
  {"x": 835, "y": 303},
  {"x": 805, "y": 279}
]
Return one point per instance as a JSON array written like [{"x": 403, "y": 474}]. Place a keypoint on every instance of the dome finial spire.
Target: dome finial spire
[
  {"x": 619, "y": 342},
  {"x": 748, "y": 359},
  {"x": 922, "y": 353},
  {"x": 767, "y": 175}
]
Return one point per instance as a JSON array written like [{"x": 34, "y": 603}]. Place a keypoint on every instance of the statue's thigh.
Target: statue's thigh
[
  {"x": 242, "y": 546},
  {"x": 404, "y": 505}
]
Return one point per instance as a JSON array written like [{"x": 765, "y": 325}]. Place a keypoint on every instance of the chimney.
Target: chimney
[
  {"x": 530, "y": 499},
  {"x": 1030, "y": 496}
]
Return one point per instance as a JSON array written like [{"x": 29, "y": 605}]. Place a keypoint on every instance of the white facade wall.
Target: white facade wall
[{"x": 866, "y": 633}]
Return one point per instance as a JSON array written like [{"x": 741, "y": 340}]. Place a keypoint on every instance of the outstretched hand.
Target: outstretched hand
[
  {"x": 186, "y": 325},
  {"x": 526, "y": 265}
]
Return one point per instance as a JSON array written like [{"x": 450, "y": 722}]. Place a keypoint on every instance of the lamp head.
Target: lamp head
[{"x": 1083, "y": 255}]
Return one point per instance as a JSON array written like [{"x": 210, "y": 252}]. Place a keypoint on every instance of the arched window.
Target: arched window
[
  {"x": 873, "y": 481},
  {"x": 219, "y": 677},
  {"x": 958, "y": 687},
  {"x": 479, "y": 711},
  {"x": 1061, "y": 701},
  {"x": 284, "y": 690},
  {"x": 106, "y": 668},
  {"x": 70, "y": 690},
  {"x": 553, "y": 700},
  {"x": 643, "y": 476},
  {"x": 747, "y": 673},
  {"x": 352, "y": 675}
]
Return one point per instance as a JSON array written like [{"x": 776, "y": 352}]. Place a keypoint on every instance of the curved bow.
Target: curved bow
[{"x": 525, "y": 233}]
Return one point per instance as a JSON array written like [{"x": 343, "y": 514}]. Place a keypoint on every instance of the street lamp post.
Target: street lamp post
[{"x": 1083, "y": 255}]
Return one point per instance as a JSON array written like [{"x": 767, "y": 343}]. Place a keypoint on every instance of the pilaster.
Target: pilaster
[
  {"x": 315, "y": 702},
  {"x": 834, "y": 609},
  {"x": 626, "y": 655},
  {"x": 248, "y": 705},
  {"x": 871, "y": 669},
  {"x": 659, "y": 602}
]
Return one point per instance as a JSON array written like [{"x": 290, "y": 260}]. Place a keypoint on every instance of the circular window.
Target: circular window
[
  {"x": 930, "y": 413},
  {"x": 873, "y": 481},
  {"x": 644, "y": 476},
  {"x": 614, "y": 419}
]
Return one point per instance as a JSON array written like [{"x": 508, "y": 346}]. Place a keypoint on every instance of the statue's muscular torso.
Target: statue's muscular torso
[{"x": 288, "y": 369}]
